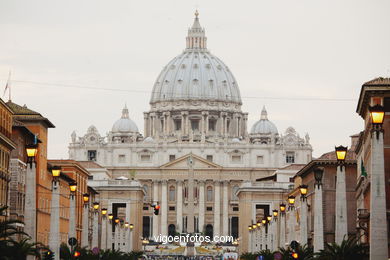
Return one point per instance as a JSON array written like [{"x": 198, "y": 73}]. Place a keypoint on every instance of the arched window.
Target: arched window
[
  {"x": 146, "y": 190},
  {"x": 209, "y": 193},
  {"x": 234, "y": 191},
  {"x": 172, "y": 193}
]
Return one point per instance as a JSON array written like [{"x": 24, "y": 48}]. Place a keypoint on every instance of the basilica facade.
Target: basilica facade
[{"x": 196, "y": 149}]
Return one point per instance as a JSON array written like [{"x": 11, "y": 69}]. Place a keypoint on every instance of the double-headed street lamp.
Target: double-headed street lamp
[
  {"x": 54, "y": 237},
  {"x": 378, "y": 218}
]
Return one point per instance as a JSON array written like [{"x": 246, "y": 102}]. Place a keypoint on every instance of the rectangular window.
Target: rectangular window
[
  {"x": 122, "y": 158},
  {"x": 145, "y": 157},
  {"x": 146, "y": 208},
  {"x": 236, "y": 158},
  {"x": 209, "y": 158},
  {"x": 171, "y": 208},
  {"x": 212, "y": 124},
  {"x": 194, "y": 125},
  {"x": 177, "y": 124},
  {"x": 209, "y": 208},
  {"x": 172, "y": 157},
  {"x": 235, "y": 208},
  {"x": 91, "y": 155},
  {"x": 290, "y": 157},
  {"x": 260, "y": 159}
]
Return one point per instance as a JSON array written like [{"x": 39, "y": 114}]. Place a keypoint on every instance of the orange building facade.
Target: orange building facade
[
  {"x": 38, "y": 125},
  {"x": 6, "y": 146},
  {"x": 75, "y": 172}
]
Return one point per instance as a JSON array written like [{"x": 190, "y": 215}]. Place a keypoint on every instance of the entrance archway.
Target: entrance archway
[
  {"x": 209, "y": 230},
  {"x": 171, "y": 230}
]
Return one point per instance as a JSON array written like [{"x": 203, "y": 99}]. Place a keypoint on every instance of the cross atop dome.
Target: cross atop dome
[
  {"x": 196, "y": 38},
  {"x": 125, "y": 112},
  {"x": 264, "y": 114}
]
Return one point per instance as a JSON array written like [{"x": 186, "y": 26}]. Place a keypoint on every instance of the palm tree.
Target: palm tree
[
  {"x": 349, "y": 249},
  {"x": 8, "y": 227},
  {"x": 304, "y": 252}
]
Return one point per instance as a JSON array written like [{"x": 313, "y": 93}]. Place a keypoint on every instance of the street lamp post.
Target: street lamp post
[
  {"x": 117, "y": 234},
  {"x": 104, "y": 229},
  {"x": 318, "y": 218},
  {"x": 303, "y": 218},
  {"x": 109, "y": 231},
  {"x": 131, "y": 227},
  {"x": 291, "y": 208},
  {"x": 54, "y": 236},
  {"x": 84, "y": 237},
  {"x": 270, "y": 232},
  {"x": 275, "y": 242},
  {"x": 30, "y": 208},
  {"x": 341, "y": 228},
  {"x": 250, "y": 238},
  {"x": 378, "y": 220},
  {"x": 95, "y": 225},
  {"x": 282, "y": 239},
  {"x": 72, "y": 209},
  {"x": 255, "y": 237}
]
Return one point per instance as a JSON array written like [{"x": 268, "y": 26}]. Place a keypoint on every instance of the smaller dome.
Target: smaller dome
[
  {"x": 125, "y": 124},
  {"x": 235, "y": 140},
  {"x": 148, "y": 139},
  {"x": 264, "y": 126}
]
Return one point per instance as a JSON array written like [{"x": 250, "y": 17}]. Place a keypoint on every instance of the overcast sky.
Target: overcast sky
[{"x": 286, "y": 55}]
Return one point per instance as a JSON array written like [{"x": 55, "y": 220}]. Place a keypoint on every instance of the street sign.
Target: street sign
[{"x": 72, "y": 241}]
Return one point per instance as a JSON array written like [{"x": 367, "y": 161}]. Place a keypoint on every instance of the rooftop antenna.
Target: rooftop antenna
[{"x": 8, "y": 86}]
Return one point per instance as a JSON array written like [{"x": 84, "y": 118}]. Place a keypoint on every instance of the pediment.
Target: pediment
[{"x": 197, "y": 162}]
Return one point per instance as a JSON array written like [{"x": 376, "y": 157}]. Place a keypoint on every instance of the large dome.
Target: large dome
[
  {"x": 125, "y": 124},
  {"x": 196, "y": 74},
  {"x": 264, "y": 126}
]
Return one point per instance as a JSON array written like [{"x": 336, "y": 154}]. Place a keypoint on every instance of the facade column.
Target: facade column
[
  {"x": 164, "y": 209},
  {"x": 54, "y": 236},
  {"x": 378, "y": 221},
  {"x": 341, "y": 228},
  {"x": 303, "y": 222},
  {"x": 95, "y": 229},
  {"x": 318, "y": 220},
  {"x": 155, "y": 201},
  {"x": 179, "y": 207},
  {"x": 146, "y": 124},
  {"x": 225, "y": 209},
  {"x": 201, "y": 205},
  {"x": 217, "y": 208},
  {"x": 183, "y": 132},
  {"x": 84, "y": 235},
  {"x": 72, "y": 215}
]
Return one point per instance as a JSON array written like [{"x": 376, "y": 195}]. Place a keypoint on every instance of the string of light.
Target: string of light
[{"x": 303, "y": 98}]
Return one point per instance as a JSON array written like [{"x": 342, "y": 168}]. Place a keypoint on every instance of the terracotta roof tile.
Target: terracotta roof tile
[{"x": 378, "y": 82}]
